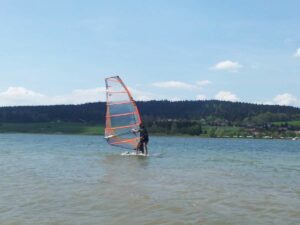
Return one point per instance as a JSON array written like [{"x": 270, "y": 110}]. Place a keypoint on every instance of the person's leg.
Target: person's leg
[
  {"x": 138, "y": 147},
  {"x": 142, "y": 147},
  {"x": 146, "y": 147}
]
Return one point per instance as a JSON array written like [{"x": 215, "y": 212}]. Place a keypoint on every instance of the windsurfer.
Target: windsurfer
[{"x": 144, "y": 139}]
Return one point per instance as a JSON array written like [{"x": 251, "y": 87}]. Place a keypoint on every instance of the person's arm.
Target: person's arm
[{"x": 135, "y": 130}]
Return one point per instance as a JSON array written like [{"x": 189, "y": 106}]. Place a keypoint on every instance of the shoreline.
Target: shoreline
[
  {"x": 95, "y": 129},
  {"x": 153, "y": 135}
]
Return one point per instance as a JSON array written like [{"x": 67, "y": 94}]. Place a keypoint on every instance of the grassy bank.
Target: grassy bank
[
  {"x": 52, "y": 128},
  {"x": 295, "y": 123},
  {"x": 96, "y": 129}
]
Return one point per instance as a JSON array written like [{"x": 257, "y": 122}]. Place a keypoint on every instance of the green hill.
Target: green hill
[{"x": 205, "y": 118}]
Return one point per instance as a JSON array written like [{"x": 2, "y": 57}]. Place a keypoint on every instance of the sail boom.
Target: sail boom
[
  {"x": 116, "y": 92},
  {"x": 125, "y": 141},
  {"x": 118, "y": 103},
  {"x": 122, "y": 127},
  {"x": 122, "y": 114}
]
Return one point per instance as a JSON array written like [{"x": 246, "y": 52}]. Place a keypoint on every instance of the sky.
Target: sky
[{"x": 59, "y": 52}]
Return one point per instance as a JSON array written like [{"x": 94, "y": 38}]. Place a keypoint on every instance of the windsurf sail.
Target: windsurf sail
[{"x": 122, "y": 115}]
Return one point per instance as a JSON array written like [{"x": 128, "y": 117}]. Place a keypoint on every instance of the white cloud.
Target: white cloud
[
  {"x": 201, "y": 97},
  {"x": 173, "y": 84},
  {"x": 19, "y": 92},
  {"x": 182, "y": 85},
  {"x": 202, "y": 83},
  {"x": 264, "y": 103},
  {"x": 286, "y": 99},
  {"x": 174, "y": 99},
  {"x": 79, "y": 96},
  {"x": 16, "y": 96},
  {"x": 226, "y": 96},
  {"x": 227, "y": 65},
  {"x": 141, "y": 95},
  {"x": 95, "y": 95},
  {"x": 20, "y": 96},
  {"x": 297, "y": 54}
]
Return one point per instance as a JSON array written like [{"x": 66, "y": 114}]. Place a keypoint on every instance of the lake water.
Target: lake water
[{"x": 78, "y": 180}]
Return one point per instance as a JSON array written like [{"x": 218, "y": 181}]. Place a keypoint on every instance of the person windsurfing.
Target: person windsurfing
[{"x": 144, "y": 139}]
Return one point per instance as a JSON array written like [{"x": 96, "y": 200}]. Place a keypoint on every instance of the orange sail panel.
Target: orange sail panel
[{"x": 122, "y": 115}]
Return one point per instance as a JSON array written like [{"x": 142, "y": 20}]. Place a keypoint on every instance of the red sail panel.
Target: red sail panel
[{"x": 122, "y": 115}]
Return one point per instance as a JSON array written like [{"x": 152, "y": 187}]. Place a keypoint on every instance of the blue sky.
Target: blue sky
[{"x": 54, "y": 52}]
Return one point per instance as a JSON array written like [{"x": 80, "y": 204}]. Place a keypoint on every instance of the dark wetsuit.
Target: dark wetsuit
[
  {"x": 144, "y": 135},
  {"x": 144, "y": 138}
]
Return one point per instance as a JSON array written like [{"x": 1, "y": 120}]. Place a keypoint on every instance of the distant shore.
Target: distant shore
[
  {"x": 52, "y": 128},
  {"x": 96, "y": 129},
  {"x": 214, "y": 119}
]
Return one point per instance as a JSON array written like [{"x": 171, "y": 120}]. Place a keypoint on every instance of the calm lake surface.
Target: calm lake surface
[{"x": 78, "y": 180}]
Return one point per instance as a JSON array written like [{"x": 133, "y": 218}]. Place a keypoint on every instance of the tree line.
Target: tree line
[{"x": 211, "y": 112}]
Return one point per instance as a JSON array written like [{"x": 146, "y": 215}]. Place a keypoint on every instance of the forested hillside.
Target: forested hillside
[
  {"x": 187, "y": 117},
  {"x": 155, "y": 110}
]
